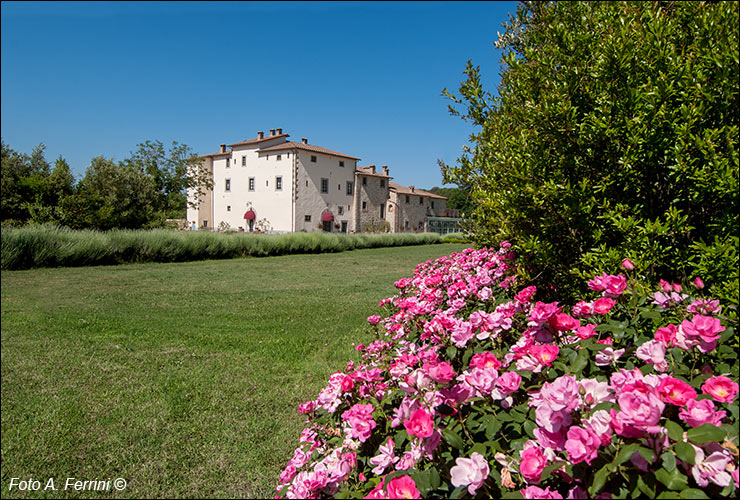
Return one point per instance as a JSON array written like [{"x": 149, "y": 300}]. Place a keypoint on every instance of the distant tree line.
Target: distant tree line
[
  {"x": 458, "y": 198},
  {"x": 142, "y": 191}
]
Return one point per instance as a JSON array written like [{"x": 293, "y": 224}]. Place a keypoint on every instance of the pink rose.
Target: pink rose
[
  {"x": 441, "y": 372},
  {"x": 667, "y": 335},
  {"x": 628, "y": 265},
  {"x": 706, "y": 327},
  {"x": 402, "y": 487},
  {"x": 509, "y": 382},
  {"x": 536, "y": 492},
  {"x": 582, "y": 445},
  {"x": 526, "y": 294},
  {"x": 720, "y": 388},
  {"x": 698, "y": 283},
  {"x": 583, "y": 308},
  {"x": 374, "y": 319},
  {"x": 563, "y": 322},
  {"x": 586, "y": 331},
  {"x": 532, "y": 464},
  {"x": 471, "y": 471},
  {"x": 653, "y": 352},
  {"x": 675, "y": 391},
  {"x": 640, "y": 409},
  {"x": 603, "y": 305},
  {"x": 481, "y": 379},
  {"x": 697, "y": 413},
  {"x": 545, "y": 354},
  {"x": 420, "y": 424},
  {"x": 485, "y": 360}
]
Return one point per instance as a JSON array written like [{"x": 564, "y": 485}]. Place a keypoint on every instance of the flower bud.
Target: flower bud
[
  {"x": 698, "y": 283},
  {"x": 628, "y": 265}
]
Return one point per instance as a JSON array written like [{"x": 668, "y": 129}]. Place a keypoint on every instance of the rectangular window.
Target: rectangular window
[
  {"x": 339, "y": 187},
  {"x": 364, "y": 205},
  {"x": 251, "y": 183},
  {"x": 228, "y": 165},
  {"x": 313, "y": 159},
  {"x": 382, "y": 183},
  {"x": 228, "y": 208},
  {"x": 341, "y": 163},
  {"x": 421, "y": 200},
  {"x": 350, "y": 188},
  {"x": 432, "y": 203},
  {"x": 307, "y": 218},
  {"x": 364, "y": 181},
  {"x": 244, "y": 161},
  {"x": 279, "y": 157},
  {"x": 228, "y": 185},
  {"x": 324, "y": 185},
  {"x": 278, "y": 183},
  {"x": 340, "y": 210},
  {"x": 382, "y": 211},
  {"x": 408, "y": 200}
]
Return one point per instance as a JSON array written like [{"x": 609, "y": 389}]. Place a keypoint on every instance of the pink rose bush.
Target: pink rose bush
[{"x": 473, "y": 387}]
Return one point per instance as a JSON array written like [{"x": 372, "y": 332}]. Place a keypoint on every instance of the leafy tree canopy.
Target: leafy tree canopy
[{"x": 614, "y": 134}]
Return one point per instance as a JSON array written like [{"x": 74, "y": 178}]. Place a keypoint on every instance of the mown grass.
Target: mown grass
[
  {"x": 182, "y": 378},
  {"x": 52, "y": 246}
]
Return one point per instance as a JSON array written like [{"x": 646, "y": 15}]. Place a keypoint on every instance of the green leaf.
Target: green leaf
[
  {"x": 685, "y": 452},
  {"x": 434, "y": 480},
  {"x": 625, "y": 453},
  {"x": 706, "y": 433},
  {"x": 599, "y": 480},
  {"x": 673, "y": 480},
  {"x": 452, "y": 438},
  {"x": 669, "y": 460},
  {"x": 647, "y": 454},
  {"x": 492, "y": 426},
  {"x": 580, "y": 362},
  {"x": 643, "y": 486},
  {"x": 693, "y": 493},
  {"x": 675, "y": 431}
]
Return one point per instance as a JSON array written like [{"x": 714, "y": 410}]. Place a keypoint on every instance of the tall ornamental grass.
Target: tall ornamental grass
[{"x": 52, "y": 246}]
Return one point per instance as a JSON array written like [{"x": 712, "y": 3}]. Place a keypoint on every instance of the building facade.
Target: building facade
[{"x": 271, "y": 184}]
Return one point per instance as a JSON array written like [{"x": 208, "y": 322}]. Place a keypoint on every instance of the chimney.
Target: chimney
[
  {"x": 412, "y": 188},
  {"x": 223, "y": 148},
  {"x": 372, "y": 167},
  {"x": 279, "y": 131},
  {"x": 272, "y": 131},
  {"x": 260, "y": 135},
  {"x": 385, "y": 169},
  {"x": 304, "y": 140}
]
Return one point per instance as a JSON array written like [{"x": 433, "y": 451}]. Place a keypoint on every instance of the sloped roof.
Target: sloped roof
[
  {"x": 305, "y": 147},
  {"x": 257, "y": 140},
  {"x": 417, "y": 192},
  {"x": 369, "y": 171}
]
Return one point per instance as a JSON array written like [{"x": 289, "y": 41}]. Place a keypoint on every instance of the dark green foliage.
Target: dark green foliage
[{"x": 614, "y": 135}]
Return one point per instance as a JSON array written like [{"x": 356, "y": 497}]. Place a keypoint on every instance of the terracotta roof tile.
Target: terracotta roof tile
[
  {"x": 257, "y": 140},
  {"x": 305, "y": 147},
  {"x": 369, "y": 171},
  {"x": 418, "y": 192}
]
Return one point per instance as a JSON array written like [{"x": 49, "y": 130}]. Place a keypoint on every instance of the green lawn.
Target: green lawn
[{"x": 181, "y": 378}]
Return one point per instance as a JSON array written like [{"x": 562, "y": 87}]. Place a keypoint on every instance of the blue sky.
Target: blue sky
[{"x": 364, "y": 79}]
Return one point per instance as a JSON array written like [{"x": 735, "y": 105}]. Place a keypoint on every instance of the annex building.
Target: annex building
[{"x": 271, "y": 184}]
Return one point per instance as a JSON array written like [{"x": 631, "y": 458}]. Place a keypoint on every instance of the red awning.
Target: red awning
[
  {"x": 327, "y": 217},
  {"x": 249, "y": 215}
]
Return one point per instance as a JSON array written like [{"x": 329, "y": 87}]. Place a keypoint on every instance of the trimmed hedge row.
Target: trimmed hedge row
[{"x": 52, "y": 246}]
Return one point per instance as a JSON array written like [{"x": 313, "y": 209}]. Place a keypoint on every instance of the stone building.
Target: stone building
[{"x": 271, "y": 184}]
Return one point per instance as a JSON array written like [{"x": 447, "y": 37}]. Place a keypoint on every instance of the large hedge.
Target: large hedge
[{"x": 614, "y": 134}]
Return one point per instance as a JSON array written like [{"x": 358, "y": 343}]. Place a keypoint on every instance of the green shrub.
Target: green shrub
[{"x": 614, "y": 135}]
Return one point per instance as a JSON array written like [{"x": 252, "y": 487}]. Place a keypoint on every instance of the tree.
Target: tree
[
  {"x": 173, "y": 172},
  {"x": 614, "y": 135},
  {"x": 114, "y": 196}
]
